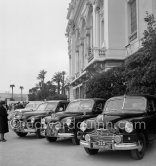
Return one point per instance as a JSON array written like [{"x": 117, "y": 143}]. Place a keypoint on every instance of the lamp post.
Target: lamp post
[
  {"x": 12, "y": 87},
  {"x": 21, "y": 87}
]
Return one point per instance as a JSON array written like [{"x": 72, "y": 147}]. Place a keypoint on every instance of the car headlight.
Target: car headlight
[
  {"x": 68, "y": 122},
  {"x": 32, "y": 120},
  {"x": 128, "y": 127},
  {"x": 83, "y": 126}
]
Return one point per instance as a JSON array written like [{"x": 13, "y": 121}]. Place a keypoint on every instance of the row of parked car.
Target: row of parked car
[{"x": 121, "y": 123}]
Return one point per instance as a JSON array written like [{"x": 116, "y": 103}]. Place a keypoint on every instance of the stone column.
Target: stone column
[{"x": 94, "y": 24}]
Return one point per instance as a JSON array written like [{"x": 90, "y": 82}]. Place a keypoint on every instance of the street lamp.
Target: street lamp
[
  {"x": 12, "y": 87},
  {"x": 21, "y": 87}
]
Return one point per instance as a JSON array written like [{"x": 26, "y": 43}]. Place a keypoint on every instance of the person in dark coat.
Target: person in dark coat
[{"x": 3, "y": 121}]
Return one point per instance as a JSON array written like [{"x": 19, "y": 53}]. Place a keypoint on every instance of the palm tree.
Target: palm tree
[
  {"x": 12, "y": 87},
  {"x": 58, "y": 79},
  {"x": 41, "y": 76},
  {"x": 21, "y": 87}
]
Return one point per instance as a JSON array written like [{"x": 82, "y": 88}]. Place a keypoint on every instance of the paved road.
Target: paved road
[{"x": 30, "y": 151}]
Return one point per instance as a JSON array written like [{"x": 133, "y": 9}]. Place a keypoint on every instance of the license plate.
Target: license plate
[{"x": 101, "y": 143}]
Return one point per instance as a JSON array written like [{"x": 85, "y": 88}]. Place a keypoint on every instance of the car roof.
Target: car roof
[
  {"x": 135, "y": 95},
  {"x": 93, "y": 99},
  {"x": 57, "y": 101}
]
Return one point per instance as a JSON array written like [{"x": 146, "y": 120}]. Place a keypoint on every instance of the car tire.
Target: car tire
[
  {"x": 51, "y": 139},
  {"x": 75, "y": 140},
  {"x": 138, "y": 154},
  {"x": 20, "y": 134},
  {"x": 91, "y": 151}
]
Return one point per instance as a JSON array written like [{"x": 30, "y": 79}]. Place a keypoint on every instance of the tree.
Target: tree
[
  {"x": 48, "y": 90},
  {"x": 58, "y": 79},
  {"x": 106, "y": 85},
  {"x": 140, "y": 68},
  {"x": 136, "y": 76},
  {"x": 12, "y": 87},
  {"x": 21, "y": 87},
  {"x": 41, "y": 77}
]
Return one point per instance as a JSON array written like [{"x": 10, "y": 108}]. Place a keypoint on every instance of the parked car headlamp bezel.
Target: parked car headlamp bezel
[
  {"x": 83, "y": 126},
  {"x": 128, "y": 127}
]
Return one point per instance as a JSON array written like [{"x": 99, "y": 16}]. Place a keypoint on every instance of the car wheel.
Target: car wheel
[
  {"x": 75, "y": 140},
  {"x": 91, "y": 151},
  {"x": 51, "y": 139},
  {"x": 138, "y": 154},
  {"x": 20, "y": 134}
]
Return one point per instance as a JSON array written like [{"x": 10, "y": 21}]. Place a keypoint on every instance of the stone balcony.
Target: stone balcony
[{"x": 95, "y": 52}]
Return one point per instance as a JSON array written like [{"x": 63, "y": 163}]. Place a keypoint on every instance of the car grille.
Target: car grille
[
  {"x": 102, "y": 135},
  {"x": 50, "y": 131}
]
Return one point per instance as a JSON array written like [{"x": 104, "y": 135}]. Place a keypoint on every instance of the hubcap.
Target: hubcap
[{"x": 140, "y": 146}]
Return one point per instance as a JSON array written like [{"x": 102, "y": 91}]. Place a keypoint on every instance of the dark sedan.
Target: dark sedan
[
  {"x": 30, "y": 122},
  {"x": 127, "y": 123},
  {"x": 67, "y": 124}
]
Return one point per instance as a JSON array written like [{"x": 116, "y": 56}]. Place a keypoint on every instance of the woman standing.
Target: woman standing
[{"x": 3, "y": 121}]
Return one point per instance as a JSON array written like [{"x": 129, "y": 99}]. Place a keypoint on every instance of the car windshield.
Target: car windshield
[
  {"x": 125, "y": 105},
  {"x": 31, "y": 106},
  {"x": 80, "y": 106},
  {"x": 51, "y": 107},
  {"x": 46, "y": 107},
  {"x": 41, "y": 108}
]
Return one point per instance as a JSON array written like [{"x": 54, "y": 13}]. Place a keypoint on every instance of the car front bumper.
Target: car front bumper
[
  {"x": 20, "y": 126},
  {"x": 110, "y": 146},
  {"x": 59, "y": 135}
]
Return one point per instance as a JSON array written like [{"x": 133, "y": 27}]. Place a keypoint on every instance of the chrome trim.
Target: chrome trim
[
  {"x": 67, "y": 135},
  {"x": 125, "y": 146},
  {"x": 114, "y": 146},
  {"x": 30, "y": 130}
]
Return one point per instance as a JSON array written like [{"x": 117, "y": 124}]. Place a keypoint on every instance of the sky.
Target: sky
[{"x": 32, "y": 38}]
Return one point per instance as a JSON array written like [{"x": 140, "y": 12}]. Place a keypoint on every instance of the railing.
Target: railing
[
  {"x": 77, "y": 74},
  {"x": 98, "y": 52}
]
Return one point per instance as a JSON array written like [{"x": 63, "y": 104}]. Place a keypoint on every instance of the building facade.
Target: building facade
[{"x": 101, "y": 34}]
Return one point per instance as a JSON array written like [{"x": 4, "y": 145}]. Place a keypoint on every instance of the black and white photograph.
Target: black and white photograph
[{"x": 78, "y": 82}]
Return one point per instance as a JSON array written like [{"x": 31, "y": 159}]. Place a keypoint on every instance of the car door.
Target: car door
[{"x": 151, "y": 119}]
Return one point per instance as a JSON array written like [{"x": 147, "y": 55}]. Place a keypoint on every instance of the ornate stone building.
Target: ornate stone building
[{"x": 101, "y": 34}]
